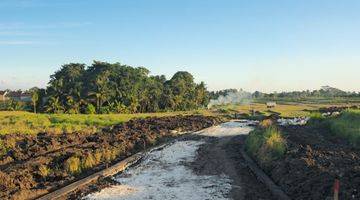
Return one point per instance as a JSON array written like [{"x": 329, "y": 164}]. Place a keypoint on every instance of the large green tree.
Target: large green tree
[{"x": 117, "y": 88}]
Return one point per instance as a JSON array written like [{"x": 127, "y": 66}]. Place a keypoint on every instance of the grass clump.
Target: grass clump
[
  {"x": 98, "y": 156},
  {"x": 88, "y": 161},
  {"x": 266, "y": 123},
  {"x": 44, "y": 171},
  {"x": 73, "y": 165},
  {"x": 266, "y": 145}
]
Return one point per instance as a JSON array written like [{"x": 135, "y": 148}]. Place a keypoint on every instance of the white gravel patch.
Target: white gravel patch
[
  {"x": 163, "y": 175},
  {"x": 227, "y": 129}
]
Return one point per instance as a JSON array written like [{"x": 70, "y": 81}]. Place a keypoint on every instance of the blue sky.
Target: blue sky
[{"x": 255, "y": 45}]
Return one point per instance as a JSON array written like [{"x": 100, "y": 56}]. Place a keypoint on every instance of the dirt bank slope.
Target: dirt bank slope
[
  {"x": 36, "y": 164},
  {"x": 312, "y": 163}
]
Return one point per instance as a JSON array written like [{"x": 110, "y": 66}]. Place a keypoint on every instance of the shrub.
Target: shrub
[
  {"x": 72, "y": 165},
  {"x": 90, "y": 109}
]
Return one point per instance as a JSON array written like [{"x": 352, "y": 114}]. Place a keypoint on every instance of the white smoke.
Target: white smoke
[{"x": 240, "y": 97}]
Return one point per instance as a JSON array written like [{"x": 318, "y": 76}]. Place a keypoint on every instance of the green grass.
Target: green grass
[
  {"x": 266, "y": 145},
  {"x": 346, "y": 126},
  {"x": 30, "y": 123}
]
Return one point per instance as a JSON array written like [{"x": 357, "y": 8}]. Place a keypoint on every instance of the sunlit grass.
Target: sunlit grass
[
  {"x": 347, "y": 126},
  {"x": 30, "y": 123},
  {"x": 266, "y": 144}
]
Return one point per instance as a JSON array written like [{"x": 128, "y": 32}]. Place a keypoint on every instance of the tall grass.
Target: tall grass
[
  {"x": 30, "y": 123},
  {"x": 346, "y": 126},
  {"x": 266, "y": 144}
]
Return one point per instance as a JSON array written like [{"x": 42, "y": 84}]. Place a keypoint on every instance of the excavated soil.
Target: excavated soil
[
  {"x": 222, "y": 156},
  {"x": 312, "y": 163},
  {"x": 19, "y": 167}
]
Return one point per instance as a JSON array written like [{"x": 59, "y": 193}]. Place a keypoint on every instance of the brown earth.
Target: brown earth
[
  {"x": 312, "y": 163},
  {"x": 19, "y": 167},
  {"x": 222, "y": 156}
]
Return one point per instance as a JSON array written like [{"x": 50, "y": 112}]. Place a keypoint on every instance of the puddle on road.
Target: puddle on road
[{"x": 163, "y": 175}]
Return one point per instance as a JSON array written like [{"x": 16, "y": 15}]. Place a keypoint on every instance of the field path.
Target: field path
[{"x": 205, "y": 165}]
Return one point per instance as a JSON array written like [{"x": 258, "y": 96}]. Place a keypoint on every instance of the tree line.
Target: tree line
[
  {"x": 106, "y": 87},
  {"x": 323, "y": 92}
]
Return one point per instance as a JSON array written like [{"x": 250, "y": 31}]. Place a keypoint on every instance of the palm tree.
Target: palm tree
[
  {"x": 34, "y": 99},
  {"x": 54, "y": 105}
]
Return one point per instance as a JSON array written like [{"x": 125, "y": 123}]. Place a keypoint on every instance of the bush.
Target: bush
[
  {"x": 72, "y": 165},
  {"x": 90, "y": 109}
]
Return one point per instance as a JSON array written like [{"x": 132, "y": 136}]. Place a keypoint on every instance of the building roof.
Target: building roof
[
  {"x": 3, "y": 92},
  {"x": 18, "y": 94}
]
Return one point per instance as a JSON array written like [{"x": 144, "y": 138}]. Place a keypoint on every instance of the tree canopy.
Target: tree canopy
[{"x": 117, "y": 88}]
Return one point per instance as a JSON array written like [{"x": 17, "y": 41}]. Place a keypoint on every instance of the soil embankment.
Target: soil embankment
[
  {"x": 312, "y": 163},
  {"x": 37, "y": 164}
]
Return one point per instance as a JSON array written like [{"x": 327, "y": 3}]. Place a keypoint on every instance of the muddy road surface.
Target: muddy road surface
[{"x": 203, "y": 165}]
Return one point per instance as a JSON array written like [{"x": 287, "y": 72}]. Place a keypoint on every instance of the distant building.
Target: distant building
[
  {"x": 3, "y": 96},
  {"x": 270, "y": 104},
  {"x": 19, "y": 96}
]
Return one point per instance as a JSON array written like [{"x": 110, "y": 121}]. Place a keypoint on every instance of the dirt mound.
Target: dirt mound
[
  {"x": 337, "y": 108},
  {"x": 313, "y": 162},
  {"x": 37, "y": 164}
]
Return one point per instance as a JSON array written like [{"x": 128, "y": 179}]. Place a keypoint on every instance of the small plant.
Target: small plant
[
  {"x": 266, "y": 123},
  {"x": 107, "y": 156},
  {"x": 266, "y": 144},
  {"x": 275, "y": 142},
  {"x": 97, "y": 156},
  {"x": 88, "y": 161},
  {"x": 73, "y": 165},
  {"x": 44, "y": 171},
  {"x": 90, "y": 109}
]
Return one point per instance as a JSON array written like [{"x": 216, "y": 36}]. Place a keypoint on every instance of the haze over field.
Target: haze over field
[{"x": 254, "y": 45}]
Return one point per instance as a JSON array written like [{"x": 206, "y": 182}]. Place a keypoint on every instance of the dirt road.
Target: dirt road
[{"x": 204, "y": 165}]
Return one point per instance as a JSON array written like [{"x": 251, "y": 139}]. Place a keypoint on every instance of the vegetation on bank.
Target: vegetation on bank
[
  {"x": 266, "y": 143},
  {"x": 346, "y": 125},
  {"x": 30, "y": 123}
]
